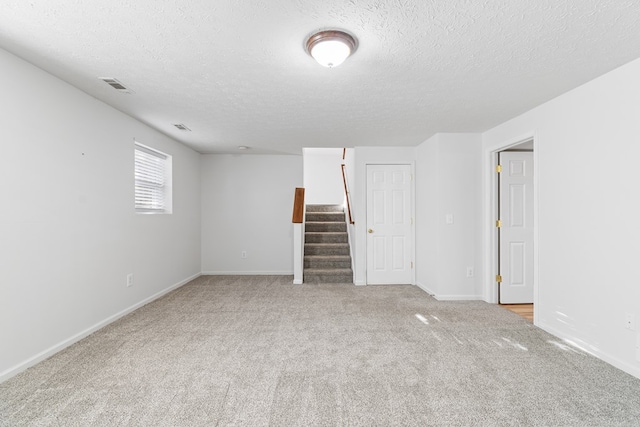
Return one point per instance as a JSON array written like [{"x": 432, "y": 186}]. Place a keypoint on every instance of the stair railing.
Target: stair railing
[
  {"x": 346, "y": 187},
  {"x": 298, "y": 235}
]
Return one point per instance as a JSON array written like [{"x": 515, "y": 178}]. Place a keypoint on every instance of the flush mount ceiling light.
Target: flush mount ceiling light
[{"x": 330, "y": 48}]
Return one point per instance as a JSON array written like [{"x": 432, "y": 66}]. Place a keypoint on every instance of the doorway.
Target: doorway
[
  {"x": 512, "y": 226},
  {"x": 389, "y": 225}
]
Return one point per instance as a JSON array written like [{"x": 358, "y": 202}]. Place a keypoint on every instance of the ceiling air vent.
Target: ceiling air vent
[
  {"x": 115, "y": 84},
  {"x": 182, "y": 127}
]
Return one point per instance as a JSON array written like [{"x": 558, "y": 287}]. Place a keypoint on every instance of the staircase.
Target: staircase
[{"x": 327, "y": 257}]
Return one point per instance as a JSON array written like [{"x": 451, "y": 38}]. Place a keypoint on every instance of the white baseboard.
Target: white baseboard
[
  {"x": 449, "y": 297},
  {"x": 247, "y": 273},
  {"x": 594, "y": 351},
  {"x": 458, "y": 297},
  {"x": 297, "y": 282},
  {"x": 425, "y": 288},
  {"x": 5, "y": 375}
]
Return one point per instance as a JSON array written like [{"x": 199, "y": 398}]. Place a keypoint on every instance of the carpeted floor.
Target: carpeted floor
[{"x": 258, "y": 351}]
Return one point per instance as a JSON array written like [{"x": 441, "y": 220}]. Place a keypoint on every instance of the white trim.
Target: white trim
[
  {"x": 590, "y": 349},
  {"x": 360, "y": 283},
  {"x": 450, "y": 297},
  {"x": 425, "y": 288},
  {"x": 458, "y": 297},
  {"x": 412, "y": 192},
  {"x": 79, "y": 336},
  {"x": 297, "y": 282},
  {"x": 247, "y": 273}
]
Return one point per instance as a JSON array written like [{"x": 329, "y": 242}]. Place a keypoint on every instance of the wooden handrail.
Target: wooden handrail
[
  {"x": 298, "y": 206},
  {"x": 346, "y": 192}
]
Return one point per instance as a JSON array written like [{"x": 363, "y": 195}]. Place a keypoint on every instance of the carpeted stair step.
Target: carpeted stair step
[
  {"x": 332, "y": 226},
  {"x": 326, "y": 249},
  {"x": 327, "y": 257},
  {"x": 327, "y": 261},
  {"x": 325, "y": 237},
  {"x": 324, "y": 217},
  {"x": 324, "y": 208},
  {"x": 335, "y": 275}
]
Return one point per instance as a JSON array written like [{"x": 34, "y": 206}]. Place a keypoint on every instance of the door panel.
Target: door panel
[
  {"x": 517, "y": 207},
  {"x": 399, "y": 257},
  {"x": 516, "y": 233},
  {"x": 389, "y": 220},
  {"x": 378, "y": 207},
  {"x": 517, "y": 259},
  {"x": 380, "y": 251}
]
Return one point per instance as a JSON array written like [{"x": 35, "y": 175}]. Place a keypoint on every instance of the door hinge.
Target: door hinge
[
  {"x": 498, "y": 223},
  {"x": 499, "y": 168},
  {"x": 410, "y": 221},
  {"x": 410, "y": 177},
  {"x": 498, "y": 278},
  {"x": 411, "y": 264}
]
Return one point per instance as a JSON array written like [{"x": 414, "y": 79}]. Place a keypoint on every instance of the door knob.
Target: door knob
[{"x": 370, "y": 231}]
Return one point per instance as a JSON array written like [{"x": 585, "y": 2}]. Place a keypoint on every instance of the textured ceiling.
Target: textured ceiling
[{"x": 236, "y": 73}]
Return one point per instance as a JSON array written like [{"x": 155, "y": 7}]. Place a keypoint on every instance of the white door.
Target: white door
[
  {"x": 516, "y": 230},
  {"x": 389, "y": 229}
]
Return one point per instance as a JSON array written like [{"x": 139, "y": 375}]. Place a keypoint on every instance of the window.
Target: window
[{"x": 153, "y": 180}]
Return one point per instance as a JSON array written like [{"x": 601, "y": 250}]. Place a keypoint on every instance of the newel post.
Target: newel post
[{"x": 298, "y": 236}]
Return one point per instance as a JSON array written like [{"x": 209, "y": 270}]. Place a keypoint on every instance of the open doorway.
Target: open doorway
[{"x": 514, "y": 239}]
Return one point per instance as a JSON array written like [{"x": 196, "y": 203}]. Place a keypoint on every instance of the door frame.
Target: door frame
[
  {"x": 490, "y": 214},
  {"x": 412, "y": 208}
]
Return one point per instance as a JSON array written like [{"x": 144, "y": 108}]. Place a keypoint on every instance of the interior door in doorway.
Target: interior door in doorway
[
  {"x": 389, "y": 237},
  {"x": 516, "y": 229}
]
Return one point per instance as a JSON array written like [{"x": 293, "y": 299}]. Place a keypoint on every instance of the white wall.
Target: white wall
[
  {"x": 247, "y": 205},
  {"x": 428, "y": 220},
  {"x": 68, "y": 232},
  {"x": 323, "y": 176},
  {"x": 448, "y": 183},
  {"x": 362, "y": 157},
  {"x": 587, "y": 155}
]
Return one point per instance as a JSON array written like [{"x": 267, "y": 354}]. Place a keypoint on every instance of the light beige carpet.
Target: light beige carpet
[{"x": 258, "y": 351}]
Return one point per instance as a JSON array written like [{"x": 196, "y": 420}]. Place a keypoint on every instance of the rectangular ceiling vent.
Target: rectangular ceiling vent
[
  {"x": 182, "y": 127},
  {"x": 115, "y": 84}
]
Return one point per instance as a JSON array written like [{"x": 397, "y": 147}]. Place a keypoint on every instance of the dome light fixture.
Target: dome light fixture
[{"x": 331, "y": 47}]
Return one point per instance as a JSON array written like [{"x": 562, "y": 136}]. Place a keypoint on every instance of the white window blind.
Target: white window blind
[{"x": 151, "y": 172}]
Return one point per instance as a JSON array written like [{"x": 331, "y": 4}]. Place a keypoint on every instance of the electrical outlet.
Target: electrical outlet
[
  {"x": 469, "y": 271},
  {"x": 630, "y": 321},
  {"x": 243, "y": 254},
  {"x": 129, "y": 280},
  {"x": 448, "y": 218}
]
